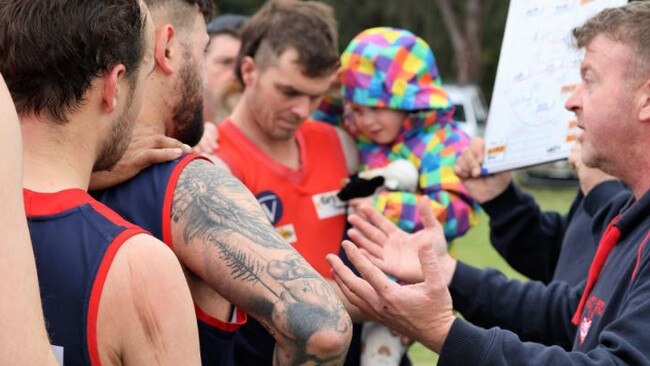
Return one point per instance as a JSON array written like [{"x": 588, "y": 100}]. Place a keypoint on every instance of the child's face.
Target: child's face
[{"x": 380, "y": 125}]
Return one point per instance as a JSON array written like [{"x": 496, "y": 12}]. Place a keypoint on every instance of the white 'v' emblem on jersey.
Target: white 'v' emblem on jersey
[
  {"x": 271, "y": 204},
  {"x": 270, "y": 208}
]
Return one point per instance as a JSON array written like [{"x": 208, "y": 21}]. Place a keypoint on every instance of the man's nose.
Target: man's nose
[
  {"x": 573, "y": 101},
  {"x": 302, "y": 107}
]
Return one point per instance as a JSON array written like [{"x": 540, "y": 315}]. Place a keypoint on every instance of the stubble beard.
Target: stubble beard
[
  {"x": 187, "y": 114},
  {"x": 114, "y": 146}
]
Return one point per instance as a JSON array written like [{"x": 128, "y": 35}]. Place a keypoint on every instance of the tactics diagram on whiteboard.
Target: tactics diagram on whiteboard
[{"x": 538, "y": 69}]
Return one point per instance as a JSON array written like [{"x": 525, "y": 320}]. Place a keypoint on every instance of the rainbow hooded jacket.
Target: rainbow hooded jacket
[{"x": 392, "y": 68}]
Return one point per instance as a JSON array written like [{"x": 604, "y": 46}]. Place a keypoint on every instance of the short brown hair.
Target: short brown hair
[
  {"x": 628, "y": 24},
  {"x": 308, "y": 27},
  {"x": 51, "y": 50},
  {"x": 180, "y": 15}
]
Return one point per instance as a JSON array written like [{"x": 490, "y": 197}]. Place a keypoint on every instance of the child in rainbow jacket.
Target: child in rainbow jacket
[{"x": 396, "y": 109}]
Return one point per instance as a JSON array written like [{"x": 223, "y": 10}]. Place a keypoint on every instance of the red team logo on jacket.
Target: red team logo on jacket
[{"x": 595, "y": 307}]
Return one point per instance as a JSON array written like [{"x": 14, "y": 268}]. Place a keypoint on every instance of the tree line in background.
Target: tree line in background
[{"x": 465, "y": 35}]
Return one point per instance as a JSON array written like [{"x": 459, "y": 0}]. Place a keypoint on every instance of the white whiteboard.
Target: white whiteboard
[{"x": 538, "y": 69}]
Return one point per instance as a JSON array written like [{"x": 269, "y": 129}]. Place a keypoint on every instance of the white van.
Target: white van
[{"x": 471, "y": 109}]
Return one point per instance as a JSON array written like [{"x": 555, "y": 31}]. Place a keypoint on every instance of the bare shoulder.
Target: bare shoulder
[
  {"x": 218, "y": 162},
  {"x": 210, "y": 174},
  {"x": 146, "y": 313},
  {"x": 23, "y": 337},
  {"x": 349, "y": 150},
  {"x": 146, "y": 246},
  {"x": 11, "y": 150},
  {"x": 144, "y": 263}
]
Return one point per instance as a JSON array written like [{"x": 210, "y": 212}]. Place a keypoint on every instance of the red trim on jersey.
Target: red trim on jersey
[
  {"x": 240, "y": 319},
  {"x": 638, "y": 256},
  {"x": 607, "y": 243},
  {"x": 54, "y": 202},
  {"x": 169, "y": 197},
  {"x": 111, "y": 215},
  {"x": 98, "y": 286}
]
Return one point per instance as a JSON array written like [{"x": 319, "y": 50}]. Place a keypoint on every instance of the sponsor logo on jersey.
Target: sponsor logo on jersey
[
  {"x": 328, "y": 205},
  {"x": 271, "y": 205},
  {"x": 288, "y": 232}
]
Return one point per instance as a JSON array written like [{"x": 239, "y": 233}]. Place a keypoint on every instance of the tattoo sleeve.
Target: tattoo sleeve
[{"x": 239, "y": 254}]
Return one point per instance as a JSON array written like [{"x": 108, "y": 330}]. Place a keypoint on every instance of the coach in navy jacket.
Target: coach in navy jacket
[{"x": 612, "y": 311}]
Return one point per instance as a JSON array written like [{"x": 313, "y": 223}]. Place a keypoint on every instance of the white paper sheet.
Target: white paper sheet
[{"x": 538, "y": 69}]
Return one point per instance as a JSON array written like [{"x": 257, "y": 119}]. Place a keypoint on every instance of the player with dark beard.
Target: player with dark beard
[
  {"x": 231, "y": 253},
  {"x": 187, "y": 120},
  {"x": 107, "y": 287}
]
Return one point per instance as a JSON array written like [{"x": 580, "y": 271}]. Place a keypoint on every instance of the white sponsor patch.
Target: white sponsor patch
[{"x": 328, "y": 205}]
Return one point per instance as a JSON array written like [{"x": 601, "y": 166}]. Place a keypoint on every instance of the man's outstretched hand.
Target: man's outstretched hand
[
  {"x": 422, "y": 311},
  {"x": 394, "y": 251}
]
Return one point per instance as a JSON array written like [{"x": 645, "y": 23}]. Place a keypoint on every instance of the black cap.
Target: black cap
[{"x": 227, "y": 23}]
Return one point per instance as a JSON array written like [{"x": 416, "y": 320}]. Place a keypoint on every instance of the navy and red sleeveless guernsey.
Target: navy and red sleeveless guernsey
[
  {"x": 75, "y": 239},
  {"x": 146, "y": 200}
]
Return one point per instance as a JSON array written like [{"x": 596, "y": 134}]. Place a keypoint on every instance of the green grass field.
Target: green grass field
[{"x": 474, "y": 248}]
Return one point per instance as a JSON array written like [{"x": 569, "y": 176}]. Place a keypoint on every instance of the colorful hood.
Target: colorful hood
[{"x": 391, "y": 68}]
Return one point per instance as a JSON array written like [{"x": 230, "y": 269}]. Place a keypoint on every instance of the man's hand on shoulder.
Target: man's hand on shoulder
[{"x": 147, "y": 147}]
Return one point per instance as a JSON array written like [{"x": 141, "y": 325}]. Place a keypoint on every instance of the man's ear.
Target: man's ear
[
  {"x": 111, "y": 87},
  {"x": 163, "y": 51},
  {"x": 249, "y": 70},
  {"x": 644, "y": 102}
]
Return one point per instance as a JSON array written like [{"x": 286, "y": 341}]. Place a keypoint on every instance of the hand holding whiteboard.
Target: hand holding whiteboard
[{"x": 538, "y": 69}]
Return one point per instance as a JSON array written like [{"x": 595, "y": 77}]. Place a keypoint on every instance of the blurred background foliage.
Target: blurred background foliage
[{"x": 465, "y": 35}]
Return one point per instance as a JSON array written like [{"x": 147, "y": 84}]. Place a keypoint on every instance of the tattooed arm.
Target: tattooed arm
[{"x": 221, "y": 234}]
